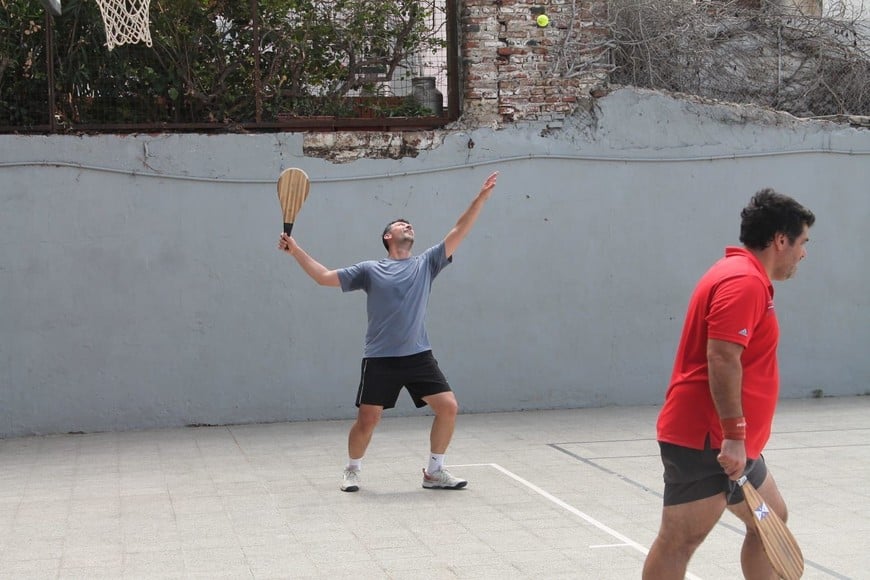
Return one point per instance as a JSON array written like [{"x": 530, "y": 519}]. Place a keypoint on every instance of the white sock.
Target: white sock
[
  {"x": 436, "y": 463},
  {"x": 354, "y": 464}
]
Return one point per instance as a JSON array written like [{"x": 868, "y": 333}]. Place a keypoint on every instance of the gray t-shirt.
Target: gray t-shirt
[{"x": 397, "y": 299}]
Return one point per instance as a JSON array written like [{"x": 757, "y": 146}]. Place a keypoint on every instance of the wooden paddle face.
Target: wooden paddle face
[
  {"x": 293, "y": 186},
  {"x": 779, "y": 544}
]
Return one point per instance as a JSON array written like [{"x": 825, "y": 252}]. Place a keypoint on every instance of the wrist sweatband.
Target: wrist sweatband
[{"x": 733, "y": 428}]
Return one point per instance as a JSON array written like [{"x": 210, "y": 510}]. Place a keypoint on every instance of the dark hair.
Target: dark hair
[
  {"x": 387, "y": 229},
  {"x": 770, "y": 213}
]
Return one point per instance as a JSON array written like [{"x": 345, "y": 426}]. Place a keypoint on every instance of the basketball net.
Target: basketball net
[{"x": 126, "y": 21}]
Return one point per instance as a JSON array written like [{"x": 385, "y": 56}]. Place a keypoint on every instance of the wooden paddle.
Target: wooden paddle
[
  {"x": 779, "y": 544},
  {"x": 293, "y": 186}
]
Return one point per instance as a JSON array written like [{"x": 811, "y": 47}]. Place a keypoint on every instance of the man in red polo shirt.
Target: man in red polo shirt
[{"x": 720, "y": 402}]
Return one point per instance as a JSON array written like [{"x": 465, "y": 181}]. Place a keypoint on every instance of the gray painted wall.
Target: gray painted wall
[{"x": 140, "y": 284}]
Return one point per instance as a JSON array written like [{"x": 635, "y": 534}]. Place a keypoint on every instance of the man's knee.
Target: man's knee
[
  {"x": 686, "y": 526},
  {"x": 443, "y": 404},
  {"x": 682, "y": 542},
  {"x": 368, "y": 418}
]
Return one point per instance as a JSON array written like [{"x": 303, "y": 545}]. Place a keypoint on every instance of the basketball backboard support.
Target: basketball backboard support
[{"x": 53, "y": 6}]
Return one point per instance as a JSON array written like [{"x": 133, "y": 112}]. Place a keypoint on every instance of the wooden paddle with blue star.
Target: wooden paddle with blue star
[{"x": 779, "y": 544}]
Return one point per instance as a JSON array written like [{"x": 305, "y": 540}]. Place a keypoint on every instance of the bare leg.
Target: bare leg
[
  {"x": 753, "y": 560},
  {"x": 445, "y": 407},
  {"x": 683, "y": 528},
  {"x": 367, "y": 418}
]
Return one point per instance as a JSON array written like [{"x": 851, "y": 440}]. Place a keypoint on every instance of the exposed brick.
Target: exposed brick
[
  {"x": 510, "y": 50},
  {"x": 342, "y": 147},
  {"x": 509, "y": 66}
]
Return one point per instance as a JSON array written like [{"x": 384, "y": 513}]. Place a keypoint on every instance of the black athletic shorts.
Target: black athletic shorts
[
  {"x": 382, "y": 379},
  {"x": 693, "y": 474}
]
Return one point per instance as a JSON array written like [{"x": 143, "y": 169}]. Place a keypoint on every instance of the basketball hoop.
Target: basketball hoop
[{"x": 126, "y": 21}]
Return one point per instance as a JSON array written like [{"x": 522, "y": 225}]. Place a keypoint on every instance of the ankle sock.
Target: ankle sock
[{"x": 436, "y": 463}]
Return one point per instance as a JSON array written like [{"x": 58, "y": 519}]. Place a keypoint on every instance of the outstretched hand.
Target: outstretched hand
[
  {"x": 488, "y": 185},
  {"x": 466, "y": 220}
]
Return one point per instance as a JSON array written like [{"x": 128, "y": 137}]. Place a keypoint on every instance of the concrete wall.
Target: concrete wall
[{"x": 140, "y": 285}]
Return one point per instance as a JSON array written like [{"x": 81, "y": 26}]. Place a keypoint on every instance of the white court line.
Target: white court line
[{"x": 626, "y": 541}]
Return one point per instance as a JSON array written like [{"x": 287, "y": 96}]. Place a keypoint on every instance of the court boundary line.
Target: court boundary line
[
  {"x": 626, "y": 541},
  {"x": 592, "y": 463}
]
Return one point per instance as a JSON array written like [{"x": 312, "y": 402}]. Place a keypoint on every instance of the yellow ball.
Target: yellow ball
[{"x": 543, "y": 20}]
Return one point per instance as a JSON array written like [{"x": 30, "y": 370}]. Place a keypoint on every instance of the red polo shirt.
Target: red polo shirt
[{"x": 733, "y": 302}]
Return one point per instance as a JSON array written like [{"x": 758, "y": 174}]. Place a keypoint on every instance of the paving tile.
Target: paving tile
[{"x": 548, "y": 490}]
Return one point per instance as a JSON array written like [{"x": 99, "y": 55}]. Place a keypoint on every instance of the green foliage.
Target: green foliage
[
  {"x": 23, "y": 69},
  {"x": 409, "y": 107},
  {"x": 311, "y": 55}
]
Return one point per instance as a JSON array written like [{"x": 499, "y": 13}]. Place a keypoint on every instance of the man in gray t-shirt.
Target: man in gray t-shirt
[
  {"x": 397, "y": 297},
  {"x": 397, "y": 351}
]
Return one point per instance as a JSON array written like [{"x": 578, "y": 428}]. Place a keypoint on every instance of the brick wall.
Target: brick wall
[{"x": 514, "y": 70}]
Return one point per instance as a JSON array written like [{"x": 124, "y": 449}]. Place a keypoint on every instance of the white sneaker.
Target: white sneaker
[
  {"x": 350, "y": 480},
  {"x": 442, "y": 480}
]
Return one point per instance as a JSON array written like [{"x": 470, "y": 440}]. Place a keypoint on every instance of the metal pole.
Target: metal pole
[
  {"x": 49, "y": 60},
  {"x": 255, "y": 54},
  {"x": 454, "y": 82}
]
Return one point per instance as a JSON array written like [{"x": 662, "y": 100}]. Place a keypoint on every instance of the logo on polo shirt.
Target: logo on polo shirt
[{"x": 743, "y": 332}]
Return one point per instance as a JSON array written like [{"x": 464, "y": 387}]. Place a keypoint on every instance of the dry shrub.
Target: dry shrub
[{"x": 771, "y": 56}]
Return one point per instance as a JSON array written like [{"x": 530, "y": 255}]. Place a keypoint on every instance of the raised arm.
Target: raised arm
[
  {"x": 466, "y": 220},
  {"x": 317, "y": 271}
]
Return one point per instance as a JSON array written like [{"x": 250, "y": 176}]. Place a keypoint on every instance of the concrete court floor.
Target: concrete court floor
[{"x": 552, "y": 494}]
